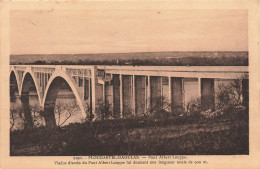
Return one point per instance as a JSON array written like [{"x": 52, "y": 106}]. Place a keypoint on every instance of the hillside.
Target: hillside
[{"x": 216, "y": 58}]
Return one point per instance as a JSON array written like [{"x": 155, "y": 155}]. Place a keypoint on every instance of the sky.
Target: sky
[{"x": 122, "y": 31}]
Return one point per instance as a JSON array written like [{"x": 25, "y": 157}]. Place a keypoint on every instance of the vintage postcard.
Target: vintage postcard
[{"x": 129, "y": 84}]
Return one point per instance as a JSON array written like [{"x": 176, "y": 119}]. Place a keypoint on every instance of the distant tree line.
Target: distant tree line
[{"x": 184, "y": 61}]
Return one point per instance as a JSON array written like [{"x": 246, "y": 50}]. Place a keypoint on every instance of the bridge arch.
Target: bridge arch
[
  {"x": 28, "y": 82},
  {"x": 14, "y": 85},
  {"x": 56, "y": 81},
  {"x": 13, "y": 71}
]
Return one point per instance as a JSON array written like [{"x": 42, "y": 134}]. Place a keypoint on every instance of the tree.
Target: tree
[
  {"x": 232, "y": 95},
  {"x": 64, "y": 111},
  {"x": 37, "y": 115},
  {"x": 13, "y": 116},
  {"x": 18, "y": 120},
  {"x": 104, "y": 110}
]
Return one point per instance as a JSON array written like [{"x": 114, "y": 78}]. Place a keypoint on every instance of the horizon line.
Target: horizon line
[{"x": 127, "y": 52}]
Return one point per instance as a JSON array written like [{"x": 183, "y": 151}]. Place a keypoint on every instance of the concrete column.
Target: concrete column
[
  {"x": 207, "y": 94},
  {"x": 89, "y": 90},
  {"x": 199, "y": 87},
  {"x": 26, "y": 110},
  {"x": 93, "y": 89},
  {"x": 46, "y": 79},
  {"x": 90, "y": 97},
  {"x": 78, "y": 80},
  {"x": 245, "y": 93},
  {"x": 42, "y": 79},
  {"x": 40, "y": 76},
  {"x": 133, "y": 92},
  {"x": 183, "y": 93},
  {"x": 49, "y": 105},
  {"x": 161, "y": 83},
  {"x": 104, "y": 95},
  {"x": 121, "y": 95},
  {"x": 127, "y": 83},
  {"x": 83, "y": 84},
  {"x": 170, "y": 91},
  {"x": 156, "y": 91},
  {"x": 112, "y": 92},
  {"x": 140, "y": 94},
  {"x": 108, "y": 93},
  {"x": 177, "y": 94},
  {"x": 43, "y": 83},
  {"x": 148, "y": 95},
  {"x": 49, "y": 117},
  {"x": 145, "y": 93},
  {"x": 116, "y": 95}
]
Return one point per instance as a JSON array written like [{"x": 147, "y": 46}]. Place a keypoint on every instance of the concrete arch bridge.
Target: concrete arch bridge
[{"x": 129, "y": 89}]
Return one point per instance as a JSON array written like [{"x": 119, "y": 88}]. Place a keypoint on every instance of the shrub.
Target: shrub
[
  {"x": 230, "y": 96},
  {"x": 104, "y": 110},
  {"x": 194, "y": 107}
]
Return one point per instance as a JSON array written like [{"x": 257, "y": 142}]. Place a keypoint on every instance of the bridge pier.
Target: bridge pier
[
  {"x": 133, "y": 95},
  {"x": 156, "y": 91},
  {"x": 245, "y": 92},
  {"x": 116, "y": 95},
  {"x": 28, "y": 121},
  {"x": 49, "y": 116},
  {"x": 140, "y": 94},
  {"x": 108, "y": 93},
  {"x": 177, "y": 94},
  {"x": 50, "y": 102},
  {"x": 170, "y": 92},
  {"x": 127, "y": 97},
  {"x": 207, "y": 94}
]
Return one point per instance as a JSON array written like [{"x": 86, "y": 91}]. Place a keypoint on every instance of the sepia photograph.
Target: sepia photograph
[{"x": 129, "y": 82}]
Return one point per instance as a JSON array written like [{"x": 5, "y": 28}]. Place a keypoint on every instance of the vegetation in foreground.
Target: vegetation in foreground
[{"x": 226, "y": 134}]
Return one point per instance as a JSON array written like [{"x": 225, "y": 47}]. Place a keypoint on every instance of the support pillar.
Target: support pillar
[
  {"x": 103, "y": 94},
  {"x": 26, "y": 110},
  {"x": 245, "y": 93},
  {"x": 43, "y": 85},
  {"x": 133, "y": 92},
  {"x": 207, "y": 94},
  {"x": 108, "y": 93},
  {"x": 177, "y": 94},
  {"x": 83, "y": 88},
  {"x": 90, "y": 97},
  {"x": 112, "y": 92},
  {"x": 161, "y": 84},
  {"x": 156, "y": 92},
  {"x": 93, "y": 89},
  {"x": 42, "y": 80},
  {"x": 49, "y": 117},
  {"x": 121, "y": 95},
  {"x": 170, "y": 90},
  {"x": 116, "y": 95},
  {"x": 127, "y": 91},
  {"x": 148, "y": 94},
  {"x": 199, "y": 87},
  {"x": 140, "y": 94}
]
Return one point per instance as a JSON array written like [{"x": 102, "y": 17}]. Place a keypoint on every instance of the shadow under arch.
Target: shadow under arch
[
  {"x": 33, "y": 82},
  {"x": 58, "y": 81},
  {"x": 28, "y": 89},
  {"x": 14, "y": 90}
]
